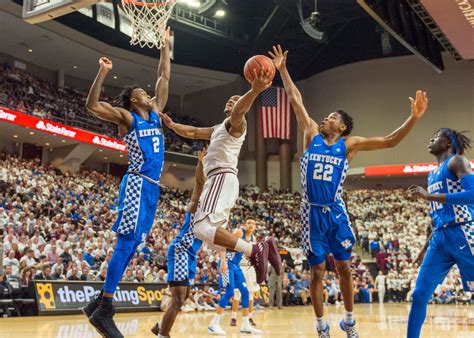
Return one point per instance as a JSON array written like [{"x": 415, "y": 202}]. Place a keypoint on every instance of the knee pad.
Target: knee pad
[
  {"x": 237, "y": 295},
  {"x": 205, "y": 230}
]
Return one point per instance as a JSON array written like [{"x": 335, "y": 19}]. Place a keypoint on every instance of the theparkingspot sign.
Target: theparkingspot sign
[
  {"x": 59, "y": 129},
  {"x": 402, "y": 169},
  {"x": 67, "y": 297}
]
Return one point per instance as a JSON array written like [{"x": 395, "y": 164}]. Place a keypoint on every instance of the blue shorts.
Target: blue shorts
[
  {"x": 326, "y": 231},
  {"x": 449, "y": 246},
  {"x": 138, "y": 201},
  {"x": 181, "y": 266},
  {"x": 234, "y": 277}
]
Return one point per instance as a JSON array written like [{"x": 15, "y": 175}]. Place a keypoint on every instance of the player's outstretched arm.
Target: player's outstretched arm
[
  {"x": 305, "y": 123},
  {"x": 260, "y": 82},
  {"x": 164, "y": 73},
  {"x": 462, "y": 168},
  {"x": 186, "y": 131},
  {"x": 103, "y": 110},
  {"x": 418, "y": 108},
  {"x": 199, "y": 185}
]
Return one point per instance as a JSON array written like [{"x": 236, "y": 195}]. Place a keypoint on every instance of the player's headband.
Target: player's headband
[{"x": 453, "y": 140}]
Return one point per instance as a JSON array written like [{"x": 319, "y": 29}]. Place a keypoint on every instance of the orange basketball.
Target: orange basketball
[{"x": 257, "y": 62}]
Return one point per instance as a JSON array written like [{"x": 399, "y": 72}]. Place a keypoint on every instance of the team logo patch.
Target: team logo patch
[{"x": 346, "y": 244}]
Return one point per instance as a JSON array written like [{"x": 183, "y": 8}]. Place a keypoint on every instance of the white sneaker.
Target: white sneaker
[
  {"x": 250, "y": 329},
  {"x": 186, "y": 308},
  {"x": 199, "y": 307},
  {"x": 215, "y": 330},
  {"x": 207, "y": 307}
]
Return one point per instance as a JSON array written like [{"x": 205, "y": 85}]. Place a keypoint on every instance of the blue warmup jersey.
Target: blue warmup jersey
[
  {"x": 182, "y": 254},
  {"x": 325, "y": 223},
  {"x": 139, "y": 189},
  {"x": 443, "y": 181}
]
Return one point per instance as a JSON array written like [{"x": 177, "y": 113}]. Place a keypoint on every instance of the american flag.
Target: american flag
[{"x": 275, "y": 112}]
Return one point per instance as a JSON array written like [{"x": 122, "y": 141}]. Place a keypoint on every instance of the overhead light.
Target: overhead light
[
  {"x": 220, "y": 13},
  {"x": 63, "y": 141},
  {"x": 75, "y": 67},
  {"x": 149, "y": 86},
  {"x": 194, "y": 3},
  {"x": 15, "y": 136},
  {"x": 115, "y": 77},
  {"x": 30, "y": 50},
  {"x": 32, "y": 132},
  {"x": 47, "y": 143}
]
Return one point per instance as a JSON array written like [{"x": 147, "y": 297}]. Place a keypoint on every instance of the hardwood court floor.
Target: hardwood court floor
[{"x": 374, "y": 320}]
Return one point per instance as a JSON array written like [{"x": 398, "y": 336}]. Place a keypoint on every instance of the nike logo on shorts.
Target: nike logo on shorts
[
  {"x": 338, "y": 216},
  {"x": 462, "y": 247}
]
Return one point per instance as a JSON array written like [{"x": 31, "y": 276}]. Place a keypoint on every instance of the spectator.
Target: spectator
[{"x": 45, "y": 273}]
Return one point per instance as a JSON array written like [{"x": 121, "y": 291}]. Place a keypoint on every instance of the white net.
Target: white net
[{"x": 149, "y": 19}]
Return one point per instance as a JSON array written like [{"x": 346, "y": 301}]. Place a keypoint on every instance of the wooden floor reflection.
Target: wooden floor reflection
[{"x": 374, "y": 320}]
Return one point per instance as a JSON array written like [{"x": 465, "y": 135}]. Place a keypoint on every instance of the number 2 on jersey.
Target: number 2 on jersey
[
  {"x": 156, "y": 144},
  {"x": 323, "y": 172}
]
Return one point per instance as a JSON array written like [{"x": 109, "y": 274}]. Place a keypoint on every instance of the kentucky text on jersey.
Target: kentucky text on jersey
[
  {"x": 149, "y": 132},
  {"x": 434, "y": 187},
  {"x": 325, "y": 159}
]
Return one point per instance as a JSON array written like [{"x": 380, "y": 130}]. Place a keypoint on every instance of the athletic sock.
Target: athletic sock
[
  {"x": 234, "y": 315},
  {"x": 321, "y": 323},
  {"x": 251, "y": 314},
  {"x": 349, "y": 317},
  {"x": 245, "y": 321},
  {"x": 243, "y": 246},
  {"x": 216, "y": 320}
]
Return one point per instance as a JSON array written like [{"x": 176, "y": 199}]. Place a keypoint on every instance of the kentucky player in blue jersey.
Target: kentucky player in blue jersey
[
  {"x": 139, "y": 124},
  {"x": 231, "y": 278},
  {"x": 182, "y": 258},
  {"x": 325, "y": 224},
  {"x": 451, "y": 193}
]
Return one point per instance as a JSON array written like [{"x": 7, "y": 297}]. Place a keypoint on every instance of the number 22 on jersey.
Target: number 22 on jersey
[{"x": 323, "y": 172}]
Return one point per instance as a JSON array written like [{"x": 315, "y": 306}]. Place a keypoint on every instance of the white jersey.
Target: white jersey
[{"x": 223, "y": 150}]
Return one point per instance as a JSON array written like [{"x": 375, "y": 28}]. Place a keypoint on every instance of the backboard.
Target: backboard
[{"x": 36, "y": 11}]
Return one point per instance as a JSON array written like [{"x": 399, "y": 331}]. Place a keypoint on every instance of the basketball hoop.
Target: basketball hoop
[{"x": 149, "y": 19}]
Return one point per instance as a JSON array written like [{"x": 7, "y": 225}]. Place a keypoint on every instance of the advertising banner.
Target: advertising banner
[
  {"x": 402, "y": 169},
  {"x": 59, "y": 129},
  {"x": 67, "y": 297}
]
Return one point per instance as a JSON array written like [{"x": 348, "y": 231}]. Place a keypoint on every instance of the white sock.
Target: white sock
[
  {"x": 217, "y": 319},
  {"x": 245, "y": 321},
  {"x": 321, "y": 323},
  {"x": 243, "y": 246},
  {"x": 251, "y": 314},
  {"x": 234, "y": 315},
  {"x": 160, "y": 336},
  {"x": 349, "y": 317}
]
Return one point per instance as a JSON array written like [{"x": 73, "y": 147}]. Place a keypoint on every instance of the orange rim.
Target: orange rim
[{"x": 146, "y": 4}]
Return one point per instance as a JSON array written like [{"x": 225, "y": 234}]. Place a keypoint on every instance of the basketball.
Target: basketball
[{"x": 256, "y": 62}]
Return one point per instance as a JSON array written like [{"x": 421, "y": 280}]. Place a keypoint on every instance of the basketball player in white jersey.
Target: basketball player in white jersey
[{"x": 222, "y": 186}]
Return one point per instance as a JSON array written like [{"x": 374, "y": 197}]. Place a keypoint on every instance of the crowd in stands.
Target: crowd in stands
[
  {"x": 58, "y": 226},
  {"x": 22, "y": 92}
]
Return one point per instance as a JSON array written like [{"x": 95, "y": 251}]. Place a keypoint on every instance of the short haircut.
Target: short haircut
[{"x": 347, "y": 119}]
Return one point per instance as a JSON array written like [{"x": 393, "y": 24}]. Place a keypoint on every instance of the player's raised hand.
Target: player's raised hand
[
  {"x": 105, "y": 63},
  {"x": 418, "y": 191},
  {"x": 279, "y": 57},
  {"x": 168, "y": 34},
  {"x": 202, "y": 153},
  {"x": 262, "y": 80},
  {"x": 167, "y": 120},
  {"x": 420, "y": 104}
]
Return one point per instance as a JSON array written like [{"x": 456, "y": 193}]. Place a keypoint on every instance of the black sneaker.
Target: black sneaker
[
  {"x": 89, "y": 309},
  {"x": 102, "y": 320}
]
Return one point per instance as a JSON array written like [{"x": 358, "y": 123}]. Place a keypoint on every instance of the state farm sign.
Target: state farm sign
[
  {"x": 402, "y": 169},
  {"x": 51, "y": 127}
]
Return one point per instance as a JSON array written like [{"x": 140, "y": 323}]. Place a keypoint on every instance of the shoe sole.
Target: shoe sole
[
  {"x": 86, "y": 312},
  {"x": 274, "y": 256},
  {"x": 209, "y": 330},
  {"x": 97, "y": 327},
  {"x": 250, "y": 332},
  {"x": 155, "y": 329},
  {"x": 264, "y": 265}
]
